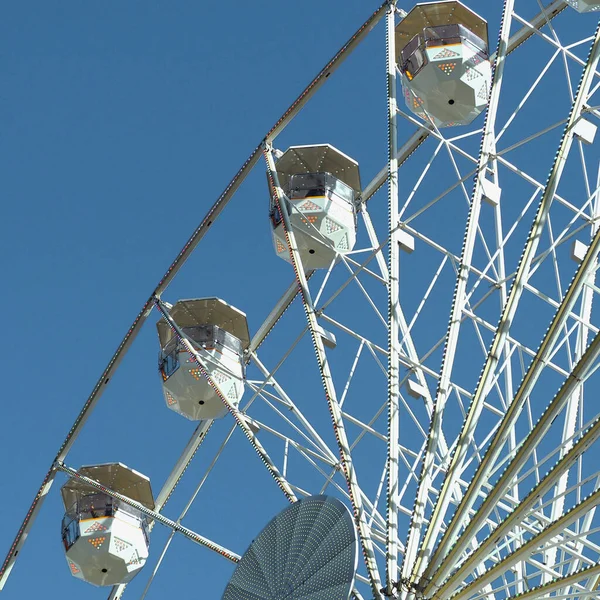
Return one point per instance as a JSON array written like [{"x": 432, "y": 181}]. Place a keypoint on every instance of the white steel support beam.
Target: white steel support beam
[
  {"x": 528, "y": 548},
  {"x": 276, "y": 313},
  {"x": 182, "y": 464},
  {"x": 544, "y": 591},
  {"x": 522, "y": 274},
  {"x": 404, "y": 331},
  {"x": 180, "y": 259},
  {"x": 119, "y": 590},
  {"x": 507, "y": 371},
  {"x": 155, "y": 516},
  {"x": 552, "y": 10},
  {"x": 418, "y": 551},
  {"x": 327, "y": 380},
  {"x": 595, "y": 228},
  {"x": 241, "y": 421},
  {"x": 540, "y": 361},
  {"x": 540, "y": 20},
  {"x": 393, "y": 392},
  {"x": 521, "y": 511}
]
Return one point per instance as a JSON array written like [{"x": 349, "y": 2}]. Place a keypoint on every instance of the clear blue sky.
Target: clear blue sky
[{"x": 121, "y": 122}]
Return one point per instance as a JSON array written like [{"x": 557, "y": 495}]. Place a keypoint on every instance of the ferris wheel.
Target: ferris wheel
[{"x": 424, "y": 383}]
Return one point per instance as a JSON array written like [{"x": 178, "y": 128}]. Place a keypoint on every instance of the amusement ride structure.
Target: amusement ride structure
[{"x": 428, "y": 405}]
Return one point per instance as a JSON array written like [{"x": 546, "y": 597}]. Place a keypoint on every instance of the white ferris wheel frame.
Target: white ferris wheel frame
[{"x": 429, "y": 565}]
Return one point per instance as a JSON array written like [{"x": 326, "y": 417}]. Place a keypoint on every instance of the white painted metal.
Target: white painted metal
[
  {"x": 393, "y": 315},
  {"x": 520, "y": 512},
  {"x": 171, "y": 483},
  {"x": 195, "y": 537},
  {"x": 241, "y": 419},
  {"x": 575, "y": 402},
  {"x": 570, "y": 388},
  {"x": 481, "y": 476},
  {"x": 585, "y": 5},
  {"x": 555, "y": 528},
  {"x": 323, "y": 217},
  {"x": 445, "y": 77}
]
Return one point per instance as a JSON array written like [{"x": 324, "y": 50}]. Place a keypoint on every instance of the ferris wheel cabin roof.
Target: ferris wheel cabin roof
[
  {"x": 318, "y": 158},
  {"x": 434, "y": 14},
  {"x": 115, "y": 476},
  {"x": 205, "y": 311}
]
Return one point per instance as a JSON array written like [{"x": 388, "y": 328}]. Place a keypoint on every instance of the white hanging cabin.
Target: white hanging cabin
[
  {"x": 584, "y": 6},
  {"x": 219, "y": 333},
  {"x": 321, "y": 187},
  {"x": 105, "y": 540},
  {"x": 443, "y": 57}
]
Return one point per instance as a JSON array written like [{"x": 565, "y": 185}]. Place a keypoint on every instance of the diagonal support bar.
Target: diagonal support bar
[
  {"x": 544, "y": 591},
  {"x": 239, "y": 417},
  {"x": 529, "y": 547},
  {"x": 171, "y": 483},
  {"x": 518, "y": 38}
]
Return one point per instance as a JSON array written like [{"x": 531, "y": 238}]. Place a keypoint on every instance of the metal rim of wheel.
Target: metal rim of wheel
[{"x": 465, "y": 313}]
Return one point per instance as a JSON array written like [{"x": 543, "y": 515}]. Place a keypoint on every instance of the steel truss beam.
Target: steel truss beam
[
  {"x": 543, "y": 591},
  {"x": 276, "y": 313},
  {"x": 393, "y": 325},
  {"x": 406, "y": 339},
  {"x": 552, "y": 10},
  {"x": 574, "y": 405},
  {"x": 319, "y": 442},
  {"x": 417, "y": 138},
  {"x": 172, "y": 480},
  {"x": 240, "y": 418},
  {"x": 507, "y": 317}
]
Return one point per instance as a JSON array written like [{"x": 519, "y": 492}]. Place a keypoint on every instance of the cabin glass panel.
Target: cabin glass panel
[
  {"x": 202, "y": 335},
  {"x": 414, "y": 55},
  {"x": 96, "y": 506},
  {"x": 169, "y": 361},
  {"x": 307, "y": 185}
]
